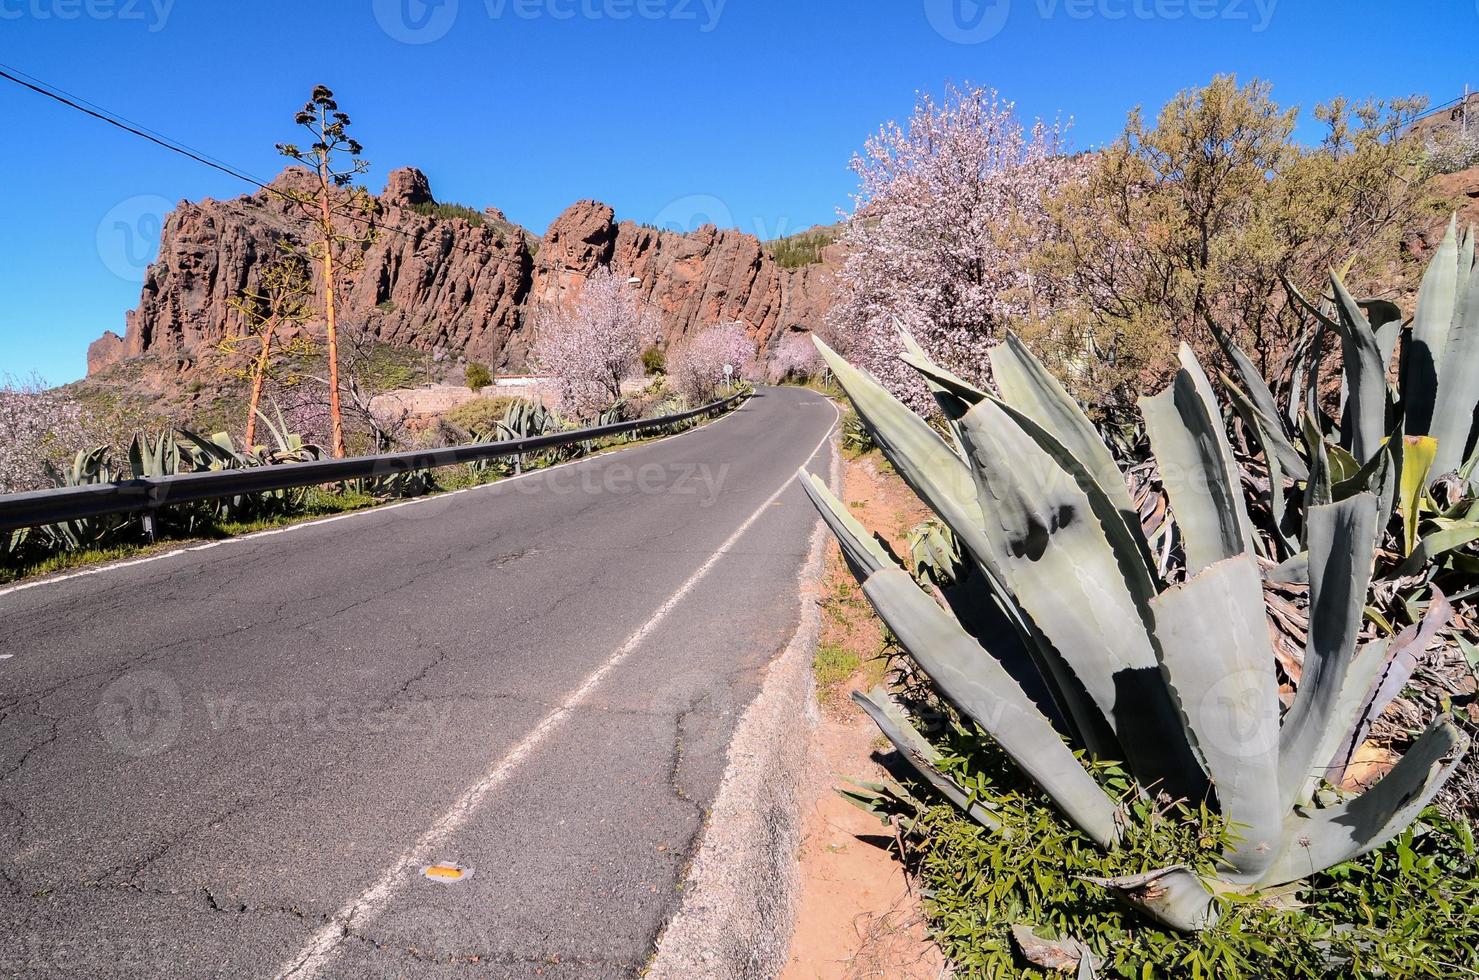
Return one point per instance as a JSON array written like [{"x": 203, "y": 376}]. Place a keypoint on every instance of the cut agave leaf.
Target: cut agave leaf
[
  {"x": 1173, "y": 896},
  {"x": 1220, "y": 665}
]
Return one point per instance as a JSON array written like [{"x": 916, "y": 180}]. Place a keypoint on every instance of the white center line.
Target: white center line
[{"x": 360, "y": 910}]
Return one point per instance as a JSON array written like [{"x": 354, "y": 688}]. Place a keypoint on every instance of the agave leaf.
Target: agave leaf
[
  {"x": 914, "y": 748},
  {"x": 1032, "y": 390},
  {"x": 1058, "y": 562},
  {"x": 1269, "y": 431},
  {"x": 1418, "y": 453},
  {"x": 1324, "y": 838},
  {"x": 866, "y": 555},
  {"x": 1173, "y": 896},
  {"x": 862, "y": 551},
  {"x": 1458, "y": 378},
  {"x": 1121, "y": 523},
  {"x": 1363, "y": 422},
  {"x": 1386, "y": 322},
  {"x": 943, "y": 481},
  {"x": 1318, "y": 489},
  {"x": 1436, "y": 545},
  {"x": 1220, "y": 665},
  {"x": 1258, "y": 426},
  {"x": 1397, "y": 664},
  {"x": 1197, "y": 467},
  {"x": 1437, "y": 299},
  {"x": 1291, "y": 571},
  {"x": 1342, "y": 547},
  {"x": 983, "y": 691}
]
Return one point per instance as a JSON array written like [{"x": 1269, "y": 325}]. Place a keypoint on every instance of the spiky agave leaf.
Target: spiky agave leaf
[
  {"x": 1342, "y": 549},
  {"x": 921, "y": 755},
  {"x": 1058, "y": 562},
  {"x": 1189, "y": 440},
  {"x": 968, "y": 677},
  {"x": 1437, "y": 299},
  {"x": 1321, "y": 839}
]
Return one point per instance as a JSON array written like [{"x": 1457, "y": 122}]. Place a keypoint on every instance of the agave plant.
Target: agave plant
[
  {"x": 1064, "y": 638},
  {"x": 88, "y": 467},
  {"x": 1411, "y": 443}
]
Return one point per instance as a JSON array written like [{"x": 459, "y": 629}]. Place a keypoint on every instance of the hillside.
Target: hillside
[{"x": 439, "y": 277}]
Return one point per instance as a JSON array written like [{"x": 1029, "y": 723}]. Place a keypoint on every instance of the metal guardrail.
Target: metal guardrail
[{"x": 43, "y": 507}]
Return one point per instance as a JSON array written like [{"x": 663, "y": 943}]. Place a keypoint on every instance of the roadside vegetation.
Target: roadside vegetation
[{"x": 1193, "y": 695}]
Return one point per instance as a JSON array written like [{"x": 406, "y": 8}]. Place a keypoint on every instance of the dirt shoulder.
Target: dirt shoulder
[{"x": 858, "y": 915}]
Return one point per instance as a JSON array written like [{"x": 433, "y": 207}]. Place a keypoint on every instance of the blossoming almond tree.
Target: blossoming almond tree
[
  {"x": 950, "y": 206},
  {"x": 696, "y": 369},
  {"x": 590, "y": 348},
  {"x": 795, "y": 357},
  {"x": 37, "y": 427}
]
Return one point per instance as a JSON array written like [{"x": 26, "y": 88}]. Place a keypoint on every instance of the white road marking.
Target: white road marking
[
  {"x": 320, "y": 949},
  {"x": 381, "y": 509}
]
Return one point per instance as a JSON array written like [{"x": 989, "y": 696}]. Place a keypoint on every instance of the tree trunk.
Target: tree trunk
[{"x": 259, "y": 375}]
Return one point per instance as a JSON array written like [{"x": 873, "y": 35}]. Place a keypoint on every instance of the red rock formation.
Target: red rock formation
[
  {"x": 696, "y": 280},
  {"x": 435, "y": 282}
]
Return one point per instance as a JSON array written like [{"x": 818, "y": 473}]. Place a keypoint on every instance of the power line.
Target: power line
[{"x": 95, "y": 111}]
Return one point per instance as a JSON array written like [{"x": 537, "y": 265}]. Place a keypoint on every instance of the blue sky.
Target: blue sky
[{"x": 672, "y": 111}]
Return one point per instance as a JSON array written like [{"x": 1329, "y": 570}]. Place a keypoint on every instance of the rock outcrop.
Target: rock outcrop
[{"x": 467, "y": 285}]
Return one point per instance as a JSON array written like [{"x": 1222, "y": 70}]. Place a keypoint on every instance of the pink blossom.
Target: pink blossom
[
  {"x": 37, "y": 427},
  {"x": 590, "y": 348},
  {"x": 795, "y": 357},
  {"x": 947, "y": 214},
  {"x": 696, "y": 369}
]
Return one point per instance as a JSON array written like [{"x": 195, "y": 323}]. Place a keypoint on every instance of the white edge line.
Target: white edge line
[
  {"x": 365, "y": 512},
  {"x": 320, "y": 949}
]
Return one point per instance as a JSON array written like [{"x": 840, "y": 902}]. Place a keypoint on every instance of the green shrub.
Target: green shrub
[
  {"x": 480, "y": 417},
  {"x": 436, "y": 209},
  {"x": 478, "y": 376},
  {"x": 1403, "y": 910},
  {"x": 801, "y": 250},
  {"x": 834, "y": 664},
  {"x": 654, "y": 361}
]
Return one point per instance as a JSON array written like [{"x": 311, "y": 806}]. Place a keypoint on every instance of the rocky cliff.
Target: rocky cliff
[{"x": 448, "y": 278}]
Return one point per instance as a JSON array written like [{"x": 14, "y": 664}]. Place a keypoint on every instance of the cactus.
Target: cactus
[{"x": 1064, "y": 637}]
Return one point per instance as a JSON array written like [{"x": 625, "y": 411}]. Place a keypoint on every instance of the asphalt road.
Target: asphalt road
[{"x": 236, "y": 761}]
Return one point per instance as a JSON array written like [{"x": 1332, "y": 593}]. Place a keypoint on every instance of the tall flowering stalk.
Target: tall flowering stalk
[
  {"x": 949, "y": 210},
  {"x": 590, "y": 348}
]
